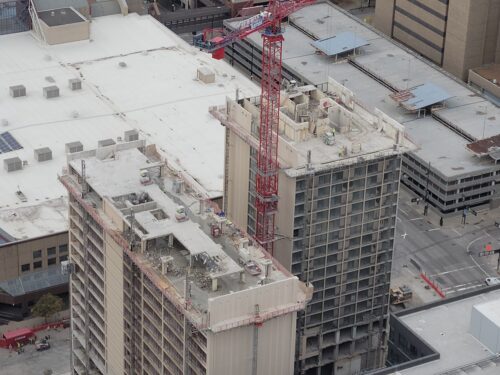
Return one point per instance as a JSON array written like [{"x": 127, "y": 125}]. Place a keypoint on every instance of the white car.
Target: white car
[{"x": 492, "y": 281}]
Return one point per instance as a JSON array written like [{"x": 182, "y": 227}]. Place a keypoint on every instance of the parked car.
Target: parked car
[
  {"x": 42, "y": 345},
  {"x": 492, "y": 281}
]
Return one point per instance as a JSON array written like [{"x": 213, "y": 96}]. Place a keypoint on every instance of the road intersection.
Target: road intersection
[{"x": 447, "y": 254}]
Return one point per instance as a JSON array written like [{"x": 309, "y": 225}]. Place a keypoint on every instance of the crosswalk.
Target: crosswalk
[{"x": 462, "y": 287}]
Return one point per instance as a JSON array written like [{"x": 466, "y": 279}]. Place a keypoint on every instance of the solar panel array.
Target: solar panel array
[{"x": 8, "y": 143}]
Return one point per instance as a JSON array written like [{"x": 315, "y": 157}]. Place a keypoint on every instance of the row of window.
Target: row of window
[
  {"x": 359, "y": 171},
  {"x": 438, "y": 178},
  {"x": 51, "y": 251},
  {"x": 39, "y": 263}
]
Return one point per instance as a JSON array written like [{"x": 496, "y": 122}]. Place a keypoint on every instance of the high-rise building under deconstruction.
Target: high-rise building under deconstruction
[
  {"x": 338, "y": 189},
  {"x": 161, "y": 284}
]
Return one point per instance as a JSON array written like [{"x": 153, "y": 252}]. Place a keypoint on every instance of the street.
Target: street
[{"x": 447, "y": 254}]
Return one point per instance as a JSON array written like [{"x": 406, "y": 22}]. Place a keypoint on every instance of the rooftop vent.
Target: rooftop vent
[
  {"x": 205, "y": 75},
  {"x": 105, "y": 142},
  {"x": 17, "y": 91},
  {"x": 75, "y": 84},
  {"x": 51, "y": 92},
  {"x": 73, "y": 147},
  {"x": 50, "y": 79},
  {"x": 12, "y": 164},
  {"x": 122, "y": 64},
  {"x": 43, "y": 154},
  {"x": 131, "y": 135}
]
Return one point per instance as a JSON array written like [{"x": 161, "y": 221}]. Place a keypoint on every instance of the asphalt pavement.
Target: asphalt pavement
[
  {"x": 447, "y": 254},
  {"x": 31, "y": 362}
]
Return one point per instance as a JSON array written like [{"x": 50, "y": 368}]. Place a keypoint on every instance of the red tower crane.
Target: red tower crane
[{"x": 269, "y": 22}]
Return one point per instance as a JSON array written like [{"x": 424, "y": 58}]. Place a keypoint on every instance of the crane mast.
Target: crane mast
[
  {"x": 266, "y": 192},
  {"x": 267, "y": 174}
]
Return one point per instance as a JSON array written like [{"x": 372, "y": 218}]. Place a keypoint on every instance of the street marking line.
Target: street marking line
[
  {"x": 411, "y": 273},
  {"x": 481, "y": 268},
  {"x": 433, "y": 229},
  {"x": 496, "y": 240},
  {"x": 455, "y": 270},
  {"x": 456, "y": 231},
  {"x": 462, "y": 289},
  {"x": 477, "y": 239},
  {"x": 477, "y": 264},
  {"x": 416, "y": 218},
  {"x": 403, "y": 211},
  {"x": 461, "y": 285}
]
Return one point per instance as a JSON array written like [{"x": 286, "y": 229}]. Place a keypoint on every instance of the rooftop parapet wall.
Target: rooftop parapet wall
[
  {"x": 309, "y": 115},
  {"x": 273, "y": 300}
]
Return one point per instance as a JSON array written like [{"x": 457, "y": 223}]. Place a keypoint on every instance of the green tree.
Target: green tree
[{"x": 47, "y": 306}]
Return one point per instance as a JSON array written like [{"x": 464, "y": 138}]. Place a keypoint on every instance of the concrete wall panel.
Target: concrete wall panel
[{"x": 114, "y": 306}]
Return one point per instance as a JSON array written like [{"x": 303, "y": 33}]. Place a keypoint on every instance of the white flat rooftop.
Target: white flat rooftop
[
  {"x": 398, "y": 67},
  {"x": 124, "y": 173},
  {"x": 447, "y": 329},
  {"x": 136, "y": 74}
]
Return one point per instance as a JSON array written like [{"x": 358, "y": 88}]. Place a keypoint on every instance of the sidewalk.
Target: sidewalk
[{"x": 485, "y": 216}]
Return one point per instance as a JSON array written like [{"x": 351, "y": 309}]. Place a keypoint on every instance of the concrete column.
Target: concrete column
[
  {"x": 353, "y": 335},
  {"x": 336, "y": 350}
]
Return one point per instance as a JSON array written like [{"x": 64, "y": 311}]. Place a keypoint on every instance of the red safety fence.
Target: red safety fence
[
  {"x": 42, "y": 327},
  {"x": 434, "y": 285}
]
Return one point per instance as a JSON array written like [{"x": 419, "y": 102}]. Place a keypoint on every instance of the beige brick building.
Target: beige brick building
[
  {"x": 157, "y": 292},
  {"x": 457, "y": 35},
  {"x": 21, "y": 257}
]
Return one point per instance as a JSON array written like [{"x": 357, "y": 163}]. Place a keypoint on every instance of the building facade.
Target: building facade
[
  {"x": 159, "y": 288},
  {"x": 338, "y": 189},
  {"x": 487, "y": 80},
  {"x": 19, "y": 258},
  {"x": 457, "y": 35},
  {"x": 30, "y": 268}
]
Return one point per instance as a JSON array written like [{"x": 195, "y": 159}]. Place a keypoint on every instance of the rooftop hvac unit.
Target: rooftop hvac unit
[
  {"x": 51, "y": 92},
  {"x": 43, "y": 154},
  {"x": 75, "y": 84},
  {"x": 131, "y": 135},
  {"x": 73, "y": 147},
  {"x": 205, "y": 75},
  {"x": 13, "y": 164},
  {"x": 17, "y": 91},
  {"x": 105, "y": 142}
]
